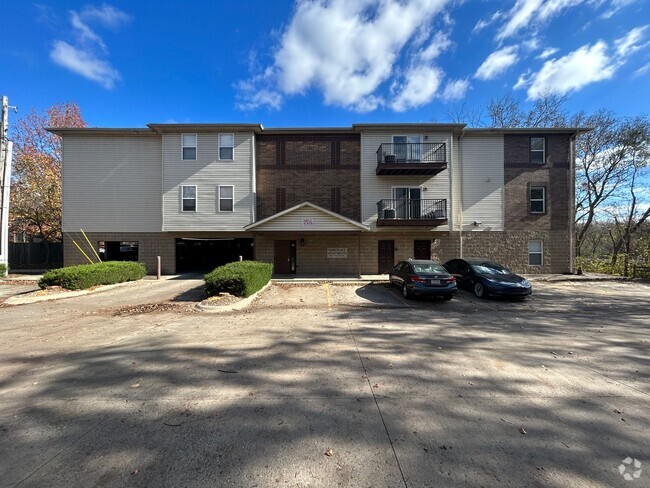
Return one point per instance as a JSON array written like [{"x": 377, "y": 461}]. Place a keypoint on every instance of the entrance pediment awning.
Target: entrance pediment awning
[{"x": 307, "y": 217}]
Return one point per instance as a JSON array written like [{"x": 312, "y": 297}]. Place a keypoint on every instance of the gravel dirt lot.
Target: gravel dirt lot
[{"x": 326, "y": 385}]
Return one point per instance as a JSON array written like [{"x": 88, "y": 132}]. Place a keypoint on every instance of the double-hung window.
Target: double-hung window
[
  {"x": 537, "y": 150},
  {"x": 188, "y": 143},
  {"x": 226, "y": 147},
  {"x": 188, "y": 197},
  {"x": 537, "y": 199},
  {"x": 226, "y": 198},
  {"x": 536, "y": 252}
]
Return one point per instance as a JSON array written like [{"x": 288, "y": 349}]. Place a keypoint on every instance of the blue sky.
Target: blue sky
[{"x": 320, "y": 63}]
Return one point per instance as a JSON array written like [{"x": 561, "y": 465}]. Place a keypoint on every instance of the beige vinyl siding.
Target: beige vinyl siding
[
  {"x": 207, "y": 173},
  {"x": 375, "y": 188},
  {"x": 456, "y": 193},
  {"x": 112, "y": 183},
  {"x": 293, "y": 222},
  {"x": 483, "y": 182}
]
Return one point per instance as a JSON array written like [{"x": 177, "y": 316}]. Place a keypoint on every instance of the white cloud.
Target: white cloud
[
  {"x": 615, "y": 6},
  {"x": 84, "y": 63},
  {"x": 83, "y": 58},
  {"x": 420, "y": 86},
  {"x": 496, "y": 63},
  {"x": 455, "y": 90},
  {"x": 572, "y": 72},
  {"x": 107, "y": 15},
  {"x": 436, "y": 47},
  {"x": 483, "y": 23},
  {"x": 642, "y": 70},
  {"x": 84, "y": 33},
  {"x": 547, "y": 53},
  {"x": 527, "y": 14},
  {"x": 629, "y": 43},
  {"x": 348, "y": 49},
  {"x": 586, "y": 65}
]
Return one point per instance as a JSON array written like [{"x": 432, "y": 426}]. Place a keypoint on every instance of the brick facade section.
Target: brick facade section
[
  {"x": 308, "y": 167},
  {"x": 555, "y": 175}
]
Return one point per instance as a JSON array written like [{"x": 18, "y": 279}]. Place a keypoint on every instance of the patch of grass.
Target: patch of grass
[
  {"x": 87, "y": 275},
  {"x": 241, "y": 278},
  {"x": 3, "y": 270}
]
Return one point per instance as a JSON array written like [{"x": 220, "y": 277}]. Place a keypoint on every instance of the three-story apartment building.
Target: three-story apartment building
[{"x": 320, "y": 201}]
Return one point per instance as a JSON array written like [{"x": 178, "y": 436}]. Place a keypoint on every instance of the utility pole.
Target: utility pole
[{"x": 5, "y": 180}]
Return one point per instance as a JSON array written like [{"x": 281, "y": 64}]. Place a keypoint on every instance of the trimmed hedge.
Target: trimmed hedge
[
  {"x": 3, "y": 270},
  {"x": 87, "y": 275},
  {"x": 241, "y": 278}
]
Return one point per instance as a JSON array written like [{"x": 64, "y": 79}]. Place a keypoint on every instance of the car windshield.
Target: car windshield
[
  {"x": 428, "y": 268},
  {"x": 490, "y": 268}
]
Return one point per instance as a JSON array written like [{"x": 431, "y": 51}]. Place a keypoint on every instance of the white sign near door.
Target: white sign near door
[{"x": 337, "y": 253}]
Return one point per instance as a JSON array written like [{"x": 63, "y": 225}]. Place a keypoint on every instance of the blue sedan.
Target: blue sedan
[{"x": 486, "y": 278}]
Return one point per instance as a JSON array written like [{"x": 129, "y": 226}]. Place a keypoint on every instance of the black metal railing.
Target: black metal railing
[
  {"x": 409, "y": 209},
  {"x": 407, "y": 152}
]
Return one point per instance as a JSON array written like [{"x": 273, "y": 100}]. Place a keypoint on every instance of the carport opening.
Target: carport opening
[
  {"x": 118, "y": 250},
  {"x": 197, "y": 254}
]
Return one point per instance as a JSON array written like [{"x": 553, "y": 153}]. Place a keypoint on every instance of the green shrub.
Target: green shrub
[
  {"x": 87, "y": 275},
  {"x": 3, "y": 270},
  {"x": 241, "y": 278}
]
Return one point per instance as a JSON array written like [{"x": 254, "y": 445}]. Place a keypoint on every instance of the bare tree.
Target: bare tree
[
  {"x": 462, "y": 114},
  {"x": 630, "y": 217},
  {"x": 547, "y": 111},
  {"x": 602, "y": 166}
]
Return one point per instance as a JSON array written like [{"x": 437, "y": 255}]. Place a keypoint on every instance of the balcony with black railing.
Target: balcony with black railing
[
  {"x": 422, "y": 158},
  {"x": 411, "y": 212}
]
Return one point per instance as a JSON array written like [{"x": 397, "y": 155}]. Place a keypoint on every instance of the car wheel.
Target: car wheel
[
  {"x": 479, "y": 290},
  {"x": 405, "y": 291},
  {"x": 447, "y": 297}
]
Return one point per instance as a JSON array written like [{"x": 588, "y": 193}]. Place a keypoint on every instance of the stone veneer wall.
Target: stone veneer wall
[
  {"x": 150, "y": 245},
  {"x": 311, "y": 259}
]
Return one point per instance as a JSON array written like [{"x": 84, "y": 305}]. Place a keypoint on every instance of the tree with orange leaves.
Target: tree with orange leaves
[{"x": 35, "y": 207}]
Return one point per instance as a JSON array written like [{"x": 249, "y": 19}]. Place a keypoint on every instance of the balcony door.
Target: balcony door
[
  {"x": 408, "y": 149},
  {"x": 407, "y": 203}
]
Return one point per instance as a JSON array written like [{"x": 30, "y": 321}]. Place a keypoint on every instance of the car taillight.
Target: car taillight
[
  {"x": 451, "y": 279},
  {"x": 417, "y": 279}
]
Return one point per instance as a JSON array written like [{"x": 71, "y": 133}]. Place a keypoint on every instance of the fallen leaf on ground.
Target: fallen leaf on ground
[
  {"x": 522, "y": 430},
  {"x": 329, "y": 453},
  {"x": 136, "y": 471},
  {"x": 135, "y": 385}
]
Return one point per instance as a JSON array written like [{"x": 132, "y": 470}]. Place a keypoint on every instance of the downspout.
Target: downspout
[
  {"x": 572, "y": 205},
  {"x": 460, "y": 191}
]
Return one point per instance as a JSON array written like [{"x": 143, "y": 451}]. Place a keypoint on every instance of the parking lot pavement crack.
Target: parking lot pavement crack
[{"x": 374, "y": 397}]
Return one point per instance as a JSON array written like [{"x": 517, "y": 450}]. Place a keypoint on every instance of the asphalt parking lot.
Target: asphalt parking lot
[{"x": 327, "y": 385}]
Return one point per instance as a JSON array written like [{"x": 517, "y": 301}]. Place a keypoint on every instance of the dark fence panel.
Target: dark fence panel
[{"x": 35, "y": 255}]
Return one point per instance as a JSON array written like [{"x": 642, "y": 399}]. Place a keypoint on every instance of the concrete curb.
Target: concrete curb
[
  {"x": 240, "y": 305},
  {"x": 20, "y": 300}
]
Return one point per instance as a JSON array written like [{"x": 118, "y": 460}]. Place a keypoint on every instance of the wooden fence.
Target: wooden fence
[
  {"x": 35, "y": 255},
  {"x": 639, "y": 271}
]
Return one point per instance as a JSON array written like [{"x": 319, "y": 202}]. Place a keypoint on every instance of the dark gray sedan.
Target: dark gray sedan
[
  {"x": 487, "y": 278},
  {"x": 422, "y": 277}
]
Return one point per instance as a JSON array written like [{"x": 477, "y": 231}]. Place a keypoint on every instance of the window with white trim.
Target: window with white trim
[
  {"x": 188, "y": 197},
  {"x": 226, "y": 147},
  {"x": 537, "y": 150},
  {"x": 188, "y": 147},
  {"x": 226, "y": 198},
  {"x": 537, "y": 197},
  {"x": 536, "y": 253}
]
